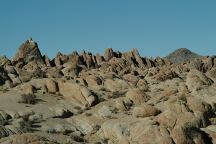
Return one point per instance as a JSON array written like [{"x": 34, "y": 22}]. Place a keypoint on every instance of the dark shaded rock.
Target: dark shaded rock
[
  {"x": 3, "y": 76},
  {"x": 5, "y": 132},
  {"x": 182, "y": 55}
]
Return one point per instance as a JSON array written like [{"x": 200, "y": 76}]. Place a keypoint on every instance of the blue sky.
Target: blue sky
[{"x": 154, "y": 27}]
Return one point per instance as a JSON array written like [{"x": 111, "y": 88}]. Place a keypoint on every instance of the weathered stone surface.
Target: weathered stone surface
[
  {"x": 61, "y": 112},
  {"x": 105, "y": 111},
  {"x": 51, "y": 86},
  {"x": 137, "y": 96},
  {"x": 165, "y": 74},
  {"x": 197, "y": 105},
  {"x": 196, "y": 80},
  {"x": 76, "y": 93},
  {"x": 60, "y": 59},
  {"x": 29, "y": 51},
  {"x": 145, "y": 110},
  {"x": 115, "y": 84},
  {"x": 93, "y": 81}
]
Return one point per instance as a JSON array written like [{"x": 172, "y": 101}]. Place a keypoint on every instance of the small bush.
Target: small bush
[
  {"x": 3, "y": 90},
  {"x": 28, "y": 99},
  {"x": 77, "y": 108},
  {"x": 118, "y": 94},
  {"x": 26, "y": 125},
  {"x": 128, "y": 105},
  {"x": 51, "y": 131},
  {"x": 88, "y": 114},
  {"x": 78, "y": 138},
  {"x": 3, "y": 122}
]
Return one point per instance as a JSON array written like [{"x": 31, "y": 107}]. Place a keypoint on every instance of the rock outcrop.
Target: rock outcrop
[{"x": 29, "y": 51}]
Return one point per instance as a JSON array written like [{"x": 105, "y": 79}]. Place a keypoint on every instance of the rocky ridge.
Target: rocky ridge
[
  {"x": 182, "y": 55},
  {"x": 111, "y": 98}
]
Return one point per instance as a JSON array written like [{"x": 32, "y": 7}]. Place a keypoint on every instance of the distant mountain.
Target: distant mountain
[{"x": 182, "y": 55}]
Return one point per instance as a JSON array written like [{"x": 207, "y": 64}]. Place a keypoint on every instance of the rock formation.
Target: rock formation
[
  {"x": 29, "y": 51},
  {"x": 182, "y": 55},
  {"x": 115, "y": 98}
]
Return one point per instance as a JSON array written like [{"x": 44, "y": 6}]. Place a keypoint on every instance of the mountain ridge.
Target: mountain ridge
[{"x": 182, "y": 55}]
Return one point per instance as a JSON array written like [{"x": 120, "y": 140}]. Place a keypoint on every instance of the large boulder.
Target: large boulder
[
  {"x": 115, "y": 131},
  {"x": 189, "y": 133},
  {"x": 51, "y": 86},
  {"x": 93, "y": 81},
  {"x": 197, "y": 105},
  {"x": 61, "y": 112},
  {"x": 71, "y": 70},
  {"x": 77, "y": 93},
  {"x": 148, "y": 132},
  {"x": 132, "y": 130},
  {"x": 115, "y": 84},
  {"x": 196, "y": 80},
  {"x": 145, "y": 110},
  {"x": 167, "y": 118},
  {"x": 54, "y": 72},
  {"x": 137, "y": 96}
]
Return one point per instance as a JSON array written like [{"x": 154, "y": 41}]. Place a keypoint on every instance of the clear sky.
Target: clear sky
[{"x": 154, "y": 27}]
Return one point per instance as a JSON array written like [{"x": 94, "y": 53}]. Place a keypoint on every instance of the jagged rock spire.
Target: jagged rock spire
[{"x": 29, "y": 51}]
